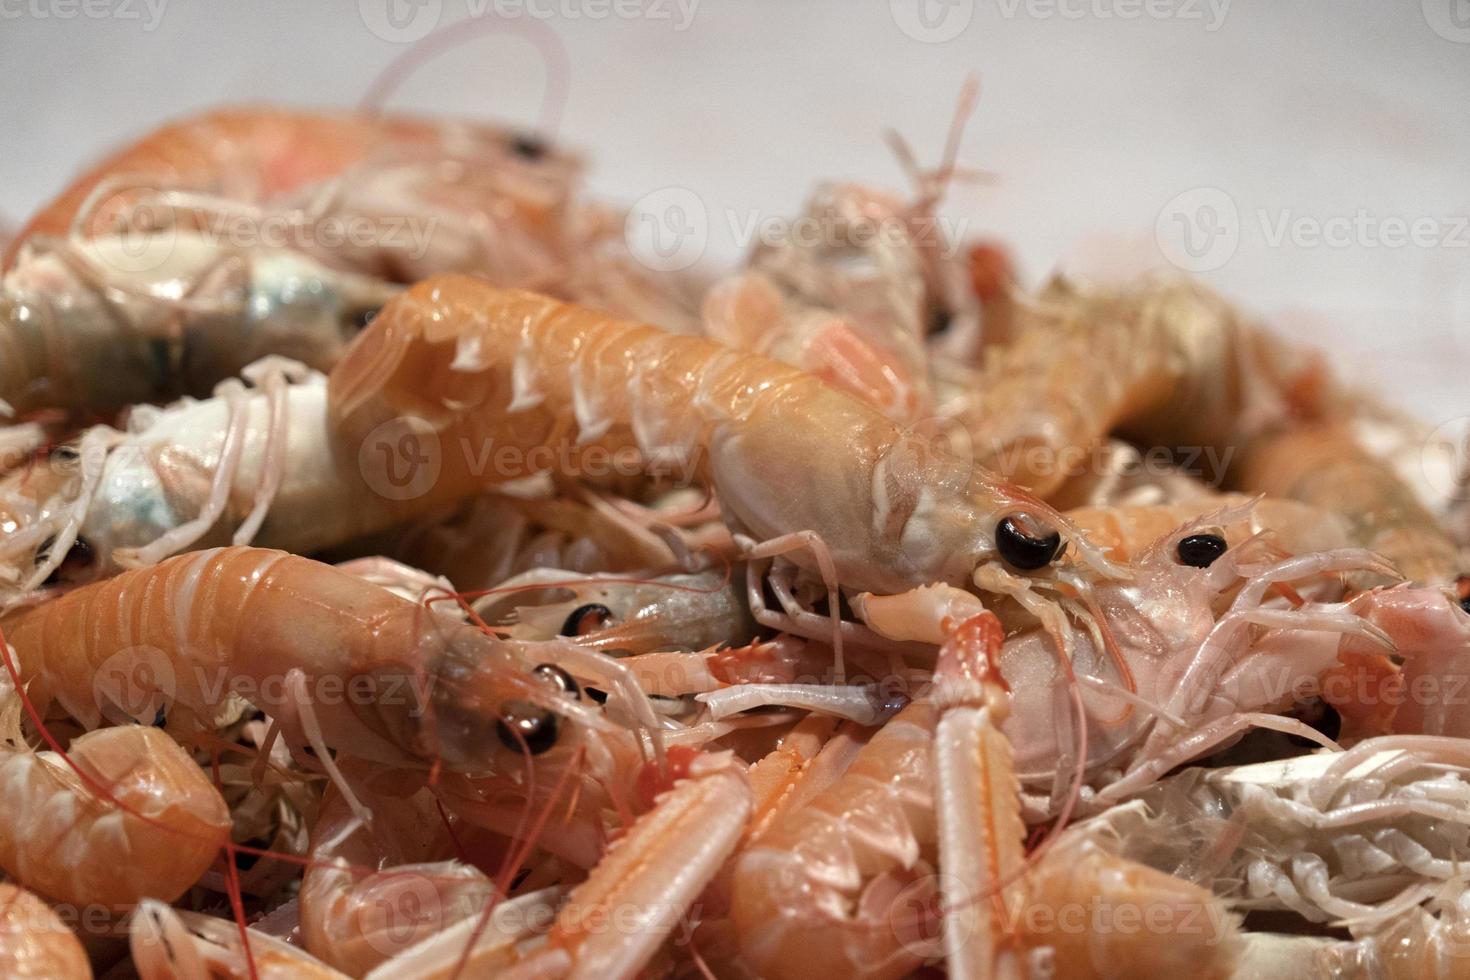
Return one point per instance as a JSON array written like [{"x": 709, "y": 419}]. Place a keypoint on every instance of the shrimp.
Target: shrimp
[
  {"x": 135, "y": 818},
  {"x": 1431, "y": 635},
  {"x": 373, "y": 891},
  {"x": 850, "y": 292},
  {"x": 1087, "y": 913},
  {"x": 172, "y": 944},
  {"x": 977, "y": 800},
  {"x": 1359, "y": 835},
  {"x": 1415, "y": 945},
  {"x": 1326, "y": 467},
  {"x": 97, "y": 325},
  {"x": 1297, "y": 528},
  {"x": 823, "y": 891},
  {"x": 1164, "y": 665},
  {"x": 748, "y": 312},
  {"x": 459, "y": 179},
  {"x": 335, "y": 661},
  {"x": 885, "y": 512},
  {"x": 650, "y": 877},
  {"x": 1168, "y": 363},
  {"x": 34, "y": 943},
  {"x": 247, "y": 465}
]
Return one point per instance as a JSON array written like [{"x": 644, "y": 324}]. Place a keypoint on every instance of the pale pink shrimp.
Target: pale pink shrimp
[
  {"x": 34, "y": 943},
  {"x": 372, "y": 891},
  {"x": 1430, "y": 691},
  {"x": 1167, "y": 666},
  {"x": 1296, "y": 528},
  {"x": 173, "y": 944}
]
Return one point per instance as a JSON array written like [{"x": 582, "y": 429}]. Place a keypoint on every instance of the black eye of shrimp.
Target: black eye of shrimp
[
  {"x": 1200, "y": 550},
  {"x": 526, "y": 727},
  {"x": 363, "y": 318},
  {"x": 585, "y": 619},
  {"x": 78, "y": 557},
  {"x": 1026, "y": 543},
  {"x": 528, "y": 146},
  {"x": 563, "y": 681},
  {"x": 1465, "y": 603}
]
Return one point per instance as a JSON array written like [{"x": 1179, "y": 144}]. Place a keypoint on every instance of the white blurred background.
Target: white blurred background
[{"x": 1310, "y": 159}]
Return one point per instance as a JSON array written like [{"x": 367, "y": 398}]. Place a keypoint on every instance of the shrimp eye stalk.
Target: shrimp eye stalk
[
  {"x": 1200, "y": 550},
  {"x": 1027, "y": 543}
]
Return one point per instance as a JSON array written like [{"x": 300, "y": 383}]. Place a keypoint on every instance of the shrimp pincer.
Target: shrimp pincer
[
  {"x": 518, "y": 380},
  {"x": 337, "y": 661}
]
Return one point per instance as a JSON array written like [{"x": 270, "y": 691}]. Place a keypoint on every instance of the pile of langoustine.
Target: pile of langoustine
[{"x": 843, "y": 620}]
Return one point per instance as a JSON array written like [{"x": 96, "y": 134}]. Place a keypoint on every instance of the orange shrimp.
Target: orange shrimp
[
  {"x": 823, "y": 890},
  {"x": 503, "y": 384},
  {"x": 34, "y": 943},
  {"x": 1168, "y": 363},
  {"x": 335, "y": 660},
  {"x": 156, "y": 832},
  {"x": 1326, "y": 467},
  {"x": 264, "y": 154}
]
